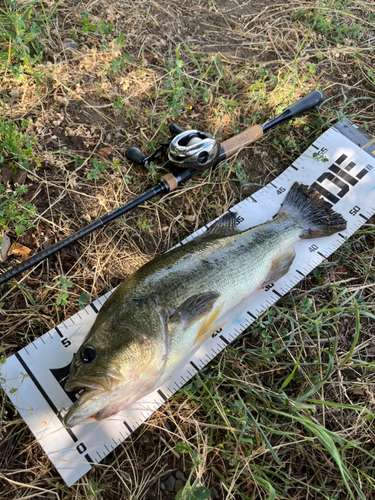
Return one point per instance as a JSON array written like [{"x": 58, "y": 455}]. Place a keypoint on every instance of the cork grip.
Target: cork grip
[
  {"x": 171, "y": 181},
  {"x": 237, "y": 142}
]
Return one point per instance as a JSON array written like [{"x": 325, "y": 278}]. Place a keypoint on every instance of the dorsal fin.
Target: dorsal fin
[{"x": 225, "y": 226}]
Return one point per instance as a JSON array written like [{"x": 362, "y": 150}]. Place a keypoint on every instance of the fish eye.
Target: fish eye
[{"x": 88, "y": 354}]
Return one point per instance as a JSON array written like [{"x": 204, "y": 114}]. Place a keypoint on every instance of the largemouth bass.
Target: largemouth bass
[{"x": 172, "y": 304}]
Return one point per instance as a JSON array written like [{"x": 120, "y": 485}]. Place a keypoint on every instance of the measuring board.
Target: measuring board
[{"x": 34, "y": 377}]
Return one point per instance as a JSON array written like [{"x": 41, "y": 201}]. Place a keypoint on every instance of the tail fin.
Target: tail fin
[{"x": 311, "y": 212}]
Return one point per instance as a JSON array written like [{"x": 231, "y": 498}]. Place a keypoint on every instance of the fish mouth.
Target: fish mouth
[
  {"x": 76, "y": 384},
  {"x": 101, "y": 380},
  {"x": 95, "y": 392},
  {"x": 94, "y": 384},
  {"x": 104, "y": 393}
]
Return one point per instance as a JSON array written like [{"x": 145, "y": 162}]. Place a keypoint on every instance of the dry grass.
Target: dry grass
[{"x": 254, "y": 438}]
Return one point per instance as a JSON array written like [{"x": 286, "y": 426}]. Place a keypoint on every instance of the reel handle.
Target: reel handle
[
  {"x": 134, "y": 154},
  {"x": 175, "y": 129}
]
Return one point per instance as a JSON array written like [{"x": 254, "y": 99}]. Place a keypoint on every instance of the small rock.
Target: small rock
[
  {"x": 178, "y": 486},
  {"x": 109, "y": 137},
  {"x": 169, "y": 483},
  {"x": 118, "y": 135},
  {"x": 162, "y": 486},
  {"x": 180, "y": 476},
  {"x": 68, "y": 43},
  {"x": 4, "y": 247}
]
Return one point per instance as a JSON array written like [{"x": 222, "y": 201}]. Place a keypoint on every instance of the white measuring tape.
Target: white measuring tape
[{"x": 35, "y": 376}]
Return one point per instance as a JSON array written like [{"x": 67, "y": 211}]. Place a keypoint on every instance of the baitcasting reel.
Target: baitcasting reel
[
  {"x": 194, "y": 149},
  {"x": 188, "y": 149}
]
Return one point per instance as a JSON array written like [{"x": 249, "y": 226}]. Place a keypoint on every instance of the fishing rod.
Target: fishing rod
[{"x": 190, "y": 151}]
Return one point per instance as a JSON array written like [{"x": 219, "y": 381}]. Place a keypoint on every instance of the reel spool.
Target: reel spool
[{"x": 194, "y": 149}]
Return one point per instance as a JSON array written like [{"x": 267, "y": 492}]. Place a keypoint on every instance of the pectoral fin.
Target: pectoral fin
[
  {"x": 194, "y": 308},
  {"x": 280, "y": 266},
  {"x": 209, "y": 326}
]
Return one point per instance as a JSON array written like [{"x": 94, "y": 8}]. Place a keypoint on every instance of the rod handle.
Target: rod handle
[{"x": 239, "y": 141}]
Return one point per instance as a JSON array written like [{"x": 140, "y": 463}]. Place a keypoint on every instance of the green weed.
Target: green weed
[
  {"x": 320, "y": 157},
  {"x": 181, "y": 85},
  {"x": 144, "y": 224},
  {"x": 83, "y": 299},
  {"x": 95, "y": 489},
  {"x": 118, "y": 104},
  {"x": 15, "y": 213},
  {"x": 176, "y": 85},
  {"x": 63, "y": 297},
  {"x": 2, "y": 360},
  {"x": 241, "y": 177},
  {"x": 20, "y": 29},
  {"x": 101, "y": 31},
  {"x": 152, "y": 170},
  {"x": 98, "y": 168},
  {"x": 119, "y": 63},
  {"x": 334, "y": 29},
  {"x": 192, "y": 490},
  {"x": 15, "y": 147},
  {"x": 102, "y": 28}
]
